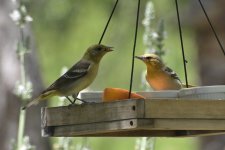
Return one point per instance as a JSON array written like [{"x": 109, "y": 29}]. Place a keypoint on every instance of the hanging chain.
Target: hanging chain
[
  {"x": 214, "y": 31},
  {"x": 182, "y": 45},
  {"x": 134, "y": 47},
  {"x": 107, "y": 24}
]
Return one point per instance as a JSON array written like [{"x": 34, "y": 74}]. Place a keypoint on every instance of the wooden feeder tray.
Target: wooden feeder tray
[{"x": 131, "y": 118}]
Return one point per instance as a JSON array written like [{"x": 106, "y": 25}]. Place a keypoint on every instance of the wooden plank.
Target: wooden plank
[
  {"x": 202, "y": 109},
  {"x": 150, "y": 133},
  {"x": 94, "y": 112},
  {"x": 160, "y": 118},
  {"x": 187, "y": 124},
  {"x": 146, "y": 133},
  {"x": 194, "y": 133},
  {"x": 46, "y": 131},
  {"x": 100, "y": 128},
  {"x": 130, "y": 128},
  {"x": 44, "y": 119},
  {"x": 135, "y": 133}
]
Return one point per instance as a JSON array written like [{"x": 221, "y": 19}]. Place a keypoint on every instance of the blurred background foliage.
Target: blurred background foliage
[{"x": 63, "y": 29}]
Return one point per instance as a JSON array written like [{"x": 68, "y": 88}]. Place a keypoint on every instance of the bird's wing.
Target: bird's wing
[
  {"x": 77, "y": 71},
  {"x": 174, "y": 75},
  {"x": 171, "y": 73}
]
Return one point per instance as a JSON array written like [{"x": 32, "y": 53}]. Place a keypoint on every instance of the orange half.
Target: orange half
[{"x": 114, "y": 94}]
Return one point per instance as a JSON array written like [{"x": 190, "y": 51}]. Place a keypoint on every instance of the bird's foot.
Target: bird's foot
[
  {"x": 76, "y": 98},
  {"x": 71, "y": 105},
  {"x": 72, "y": 102}
]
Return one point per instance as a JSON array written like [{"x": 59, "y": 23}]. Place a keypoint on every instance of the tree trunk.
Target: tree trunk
[
  {"x": 9, "y": 74},
  {"x": 211, "y": 60}
]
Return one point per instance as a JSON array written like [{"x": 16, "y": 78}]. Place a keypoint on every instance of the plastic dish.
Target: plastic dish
[
  {"x": 92, "y": 96},
  {"x": 169, "y": 94},
  {"x": 204, "y": 92}
]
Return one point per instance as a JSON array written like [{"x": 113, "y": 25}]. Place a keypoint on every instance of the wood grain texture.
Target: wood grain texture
[
  {"x": 94, "y": 112},
  {"x": 128, "y": 128},
  {"x": 100, "y": 128},
  {"x": 155, "y": 118},
  {"x": 207, "y": 109},
  {"x": 188, "y": 124}
]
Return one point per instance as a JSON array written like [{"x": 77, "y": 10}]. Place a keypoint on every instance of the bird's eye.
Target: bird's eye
[
  {"x": 98, "y": 49},
  {"x": 148, "y": 58}
]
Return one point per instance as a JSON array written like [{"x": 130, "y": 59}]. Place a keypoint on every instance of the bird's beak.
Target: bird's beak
[
  {"x": 109, "y": 49},
  {"x": 140, "y": 57}
]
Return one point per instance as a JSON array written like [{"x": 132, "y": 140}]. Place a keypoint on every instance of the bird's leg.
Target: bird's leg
[
  {"x": 67, "y": 97},
  {"x": 75, "y": 98}
]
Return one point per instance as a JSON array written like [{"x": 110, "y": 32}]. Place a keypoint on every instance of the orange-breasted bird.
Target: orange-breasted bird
[
  {"x": 77, "y": 78},
  {"x": 159, "y": 76}
]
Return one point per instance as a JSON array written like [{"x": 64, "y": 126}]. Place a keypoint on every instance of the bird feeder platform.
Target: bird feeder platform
[{"x": 172, "y": 117}]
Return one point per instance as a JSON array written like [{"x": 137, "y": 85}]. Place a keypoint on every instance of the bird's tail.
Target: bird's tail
[{"x": 43, "y": 96}]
